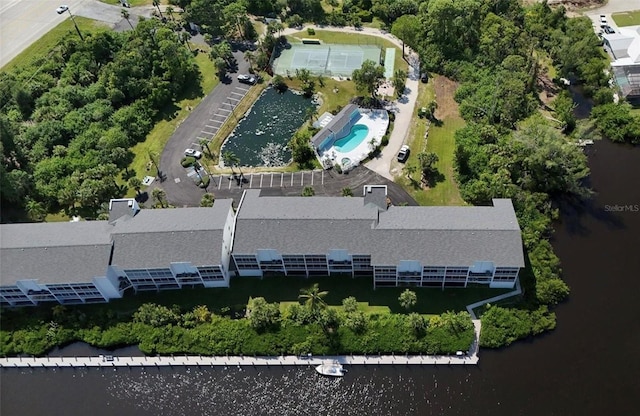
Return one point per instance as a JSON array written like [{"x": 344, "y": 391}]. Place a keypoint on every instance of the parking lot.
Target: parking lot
[{"x": 269, "y": 180}]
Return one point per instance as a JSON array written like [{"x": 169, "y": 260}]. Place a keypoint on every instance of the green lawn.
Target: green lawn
[
  {"x": 627, "y": 18},
  {"x": 351, "y": 38},
  {"x": 333, "y": 94},
  {"x": 441, "y": 142},
  {"x": 287, "y": 289},
  {"x": 51, "y": 39}
]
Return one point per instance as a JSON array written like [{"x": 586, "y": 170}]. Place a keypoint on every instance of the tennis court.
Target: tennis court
[{"x": 326, "y": 59}]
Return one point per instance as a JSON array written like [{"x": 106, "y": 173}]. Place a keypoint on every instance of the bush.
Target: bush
[
  {"x": 205, "y": 181},
  {"x": 311, "y": 31},
  {"x": 385, "y": 140},
  {"x": 188, "y": 161},
  {"x": 502, "y": 326}
]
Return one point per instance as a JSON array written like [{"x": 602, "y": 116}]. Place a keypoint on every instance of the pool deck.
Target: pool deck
[{"x": 377, "y": 121}]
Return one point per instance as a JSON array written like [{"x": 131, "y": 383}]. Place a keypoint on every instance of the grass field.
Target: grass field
[
  {"x": 287, "y": 289},
  {"x": 51, "y": 39},
  {"x": 627, "y": 18},
  {"x": 351, "y": 38},
  {"x": 440, "y": 141},
  {"x": 333, "y": 94}
]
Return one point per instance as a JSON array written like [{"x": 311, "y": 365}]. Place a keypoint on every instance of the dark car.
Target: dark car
[
  {"x": 424, "y": 77},
  {"x": 403, "y": 154},
  {"x": 609, "y": 30}
]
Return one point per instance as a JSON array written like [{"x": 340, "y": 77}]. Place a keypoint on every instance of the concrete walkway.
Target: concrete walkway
[
  {"x": 473, "y": 306},
  {"x": 404, "y": 108}
]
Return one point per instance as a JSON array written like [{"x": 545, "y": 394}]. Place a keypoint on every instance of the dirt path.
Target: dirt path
[{"x": 445, "y": 89}]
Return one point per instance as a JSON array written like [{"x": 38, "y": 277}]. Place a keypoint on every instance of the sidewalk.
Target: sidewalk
[{"x": 403, "y": 108}]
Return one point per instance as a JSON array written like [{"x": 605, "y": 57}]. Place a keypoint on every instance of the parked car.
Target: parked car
[
  {"x": 609, "y": 30},
  {"x": 424, "y": 77},
  {"x": 125, "y": 3},
  {"x": 247, "y": 79},
  {"x": 62, "y": 9},
  {"x": 193, "y": 153},
  {"x": 403, "y": 154}
]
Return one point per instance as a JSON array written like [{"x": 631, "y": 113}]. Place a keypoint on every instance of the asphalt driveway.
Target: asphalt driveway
[{"x": 203, "y": 122}]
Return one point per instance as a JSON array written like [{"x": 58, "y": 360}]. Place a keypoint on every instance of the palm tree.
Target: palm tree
[
  {"x": 311, "y": 113},
  {"x": 125, "y": 14},
  {"x": 136, "y": 184},
  {"x": 170, "y": 10},
  {"x": 159, "y": 195},
  {"x": 204, "y": 145},
  {"x": 313, "y": 298},
  {"x": 251, "y": 58},
  {"x": 410, "y": 170},
  {"x": 156, "y": 3},
  {"x": 229, "y": 158},
  {"x": 185, "y": 37}
]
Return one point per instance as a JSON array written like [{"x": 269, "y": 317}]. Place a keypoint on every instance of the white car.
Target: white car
[
  {"x": 193, "y": 153},
  {"x": 247, "y": 79},
  {"x": 62, "y": 9},
  {"x": 403, "y": 154}
]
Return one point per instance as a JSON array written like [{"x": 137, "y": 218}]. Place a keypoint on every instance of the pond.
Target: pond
[{"x": 261, "y": 137}]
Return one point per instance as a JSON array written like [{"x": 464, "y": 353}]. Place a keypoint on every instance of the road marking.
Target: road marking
[
  {"x": 216, "y": 121},
  {"x": 322, "y": 177},
  {"x": 301, "y": 178},
  {"x": 224, "y": 109},
  {"x": 261, "y": 177},
  {"x": 211, "y": 127},
  {"x": 251, "y": 181},
  {"x": 220, "y": 181},
  {"x": 230, "y": 180},
  {"x": 271, "y": 185},
  {"x": 233, "y": 99},
  {"x": 311, "y": 178},
  {"x": 237, "y": 93},
  {"x": 243, "y": 89},
  {"x": 177, "y": 180},
  {"x": 291, "y": 179},
  {"x": 281, "y": 179},
  {"x": 219, "y": 115}
]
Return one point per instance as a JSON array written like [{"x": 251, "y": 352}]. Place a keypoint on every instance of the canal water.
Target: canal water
[
  {"x": 261, "y": 138},
  {"x": 588, "y": 366}
]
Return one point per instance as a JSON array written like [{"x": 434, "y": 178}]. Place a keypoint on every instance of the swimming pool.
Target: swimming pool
[{"x": 349, "y": 142}]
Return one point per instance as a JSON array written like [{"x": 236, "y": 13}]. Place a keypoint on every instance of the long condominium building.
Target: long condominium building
[{"x": 161, "y": 249}]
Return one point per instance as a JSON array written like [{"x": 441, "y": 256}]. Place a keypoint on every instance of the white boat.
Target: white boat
[{"x": 333, "y": 369}]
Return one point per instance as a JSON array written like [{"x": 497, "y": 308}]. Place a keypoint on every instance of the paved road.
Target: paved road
[
  {"x": 23, "y": 22},
  {"x": 203, "y": 122},
  {"x": 614, "y": 6}
]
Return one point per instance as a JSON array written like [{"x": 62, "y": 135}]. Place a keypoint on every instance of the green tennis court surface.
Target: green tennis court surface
[{"x": 326, "y": 59}]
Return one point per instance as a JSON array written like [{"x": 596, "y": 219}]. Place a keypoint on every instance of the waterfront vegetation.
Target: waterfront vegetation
[
  {"x": 496, "y": 52},
  {"x": 279, "y": 315}
]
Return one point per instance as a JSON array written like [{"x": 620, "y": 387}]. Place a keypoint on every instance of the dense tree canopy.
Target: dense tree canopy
[{"x": 67, "y": 126}]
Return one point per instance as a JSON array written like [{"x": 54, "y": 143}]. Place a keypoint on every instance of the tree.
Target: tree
[
  {"x": 155, "y": 315},
  {"x": 160, "y": 196},
  {"x": 136, "y": 184},
  {"x": 563, "y": 106},
  {"x": 311, "y": 113},
  {"x": 207, "y": 200},
  {"x": 235, "y": 16},
  {"x": 308, "y": 191},
  {"x": 301, "y": 151},
  {"x": 416, "y": 323},
  {"x": 347, "y": 192},
  {"x": 263, "y": 315},
  {"x": 230, "y": 159},
  {"x": 170, "y": 10},
  {"x": 399, "y": 81},
  {"x": 202, "y": 314},
  {"x": 35, "y": 210},
  {"x": 250, "y": 57},
  {"x": 156, "y": 4},
  {"x": 356, "y": 321},
  {"x": 313, "y": 298},
  {"x": 408, "y": 299},
  {"x": 427, "y": 162},
  {"x": 407, "y": 28},
  {"x": 368, "y": 78},
  {"x": 125, "y": 14},
  {"x": 350, "y": 304},
  {"x": 410, "y": 170},
  {"x": 278, "y": 83}
]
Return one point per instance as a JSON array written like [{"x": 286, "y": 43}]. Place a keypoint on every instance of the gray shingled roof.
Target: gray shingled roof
[
  {"x": 433, "y": 235},
  {"x": 54, "y": 252},
  {"x": 300, "y": 208},
  {"x": 157, "y": 237},
  {"x": 336, "y": 124}
]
